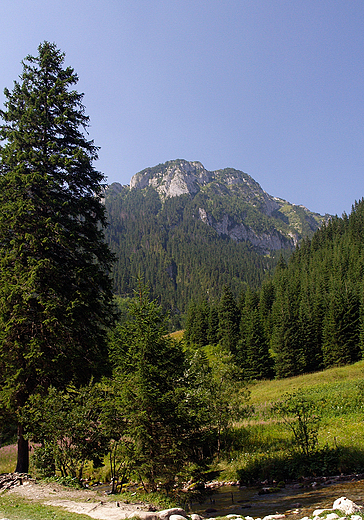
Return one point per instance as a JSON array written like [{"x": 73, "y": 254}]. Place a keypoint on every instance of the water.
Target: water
[{"x": 294, "y": 501}]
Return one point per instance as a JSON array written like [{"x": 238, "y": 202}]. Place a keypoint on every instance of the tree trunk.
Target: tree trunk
[{"x": 22, "y": 465}]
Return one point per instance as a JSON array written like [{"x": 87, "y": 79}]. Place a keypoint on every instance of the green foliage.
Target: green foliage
[
  {"x": 309, "y": 316},
  {"x": 219, "y": 324},
  {"x": 55, "y": 292},
  {"x": 149, "y": 370},
  {"x": 226, "y": 393},
  {"x": 317, "y": 310},
  {"x": 253, "y": 355},
  {"x": 283, "y": 466},
  {"x": 181, "y": 257},
  {"x": 229, "y": 319},
  {"x": 300, "y": 415},
  {"x": 68, "y": 424},
  {"x": 270, "y": 452},
  {"x": 114, "y": 424}
]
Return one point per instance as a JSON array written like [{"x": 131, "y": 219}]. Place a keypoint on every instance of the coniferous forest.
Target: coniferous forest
[
  {"x": 89, "y": 382},
  {"x": 306, "y": 317},
  {"x": 153, "y": 239}
]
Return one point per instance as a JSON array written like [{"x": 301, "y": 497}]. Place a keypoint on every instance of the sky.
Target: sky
[{"x": 274, "y": 88}]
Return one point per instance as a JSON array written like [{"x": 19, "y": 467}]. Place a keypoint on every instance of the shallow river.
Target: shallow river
[{"x": 296, "y": 502}]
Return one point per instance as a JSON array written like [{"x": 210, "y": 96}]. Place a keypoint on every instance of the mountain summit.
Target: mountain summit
[
  {"x": 233, "y": 203},
  {"x": 191, "y": 231}
]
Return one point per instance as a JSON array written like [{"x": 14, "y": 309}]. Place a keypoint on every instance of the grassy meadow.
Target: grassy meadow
[{"x": 265, "y": 450}]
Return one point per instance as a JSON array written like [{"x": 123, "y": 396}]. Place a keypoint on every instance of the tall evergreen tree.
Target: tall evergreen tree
[
  {"x": 149, "y": 369},
  {"x": 286, "y": 334},
  {"x": 213, "y": 325},
  {"x": 229, "y": 320},
  {"x": 55, "y": 292},
  {"x": 257, "y": 362}
]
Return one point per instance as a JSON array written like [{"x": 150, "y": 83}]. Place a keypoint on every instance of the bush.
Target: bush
[{"x": 299, "y": 414}]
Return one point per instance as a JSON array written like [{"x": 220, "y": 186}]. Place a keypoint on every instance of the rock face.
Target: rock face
[
  {"x": 232, "y": 203},
  {"x": 173, "y": 179}
]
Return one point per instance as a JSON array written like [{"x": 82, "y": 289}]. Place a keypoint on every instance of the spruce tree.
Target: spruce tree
[
  {"x": 229, "y": 320},
  {"x": 257, "y": 362},
  {"x": 149, "y": 370},
  {"x": 55, "y": 292}
]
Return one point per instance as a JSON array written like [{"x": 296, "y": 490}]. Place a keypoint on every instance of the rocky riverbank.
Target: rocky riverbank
[{"x": 103, "y": 507}]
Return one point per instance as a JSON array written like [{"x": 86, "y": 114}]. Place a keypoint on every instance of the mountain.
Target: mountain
[{"x": 189, "y": 231}]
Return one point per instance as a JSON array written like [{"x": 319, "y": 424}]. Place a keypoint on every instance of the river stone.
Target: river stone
[
  {"x": 319, "y": 512},
  {"x": 177, "y": 517},
  {"x": 346, "y": 506},
  {"x": 167, "y": 513},
  {"x": 143, "y": 515},
  {"x": 332, "y": 516},
  {"x": 195, "y": 516},
  {"x": 273, "y": 517}
]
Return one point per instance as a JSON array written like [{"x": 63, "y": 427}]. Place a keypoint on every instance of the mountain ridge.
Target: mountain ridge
[
  {"x": 179, "y": 177},
  {"x": 189, "y": 232}
]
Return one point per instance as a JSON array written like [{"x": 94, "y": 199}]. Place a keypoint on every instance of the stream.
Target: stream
[{"x": 295, "y": 500}]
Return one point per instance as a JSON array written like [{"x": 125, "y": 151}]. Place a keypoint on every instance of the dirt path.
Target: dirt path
[{"x": 87, "y": 502}]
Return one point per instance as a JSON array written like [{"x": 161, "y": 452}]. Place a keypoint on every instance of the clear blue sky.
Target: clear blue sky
[{"x": 271, "y": 87}]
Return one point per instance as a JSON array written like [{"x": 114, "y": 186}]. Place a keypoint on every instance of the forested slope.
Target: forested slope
[
  {"x": 308, "y": 316},
  {"x": 189, "y": 232}
]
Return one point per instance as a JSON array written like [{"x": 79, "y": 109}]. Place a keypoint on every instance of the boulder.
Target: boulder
[
  {"x": 332, "y": 516},
  {"x": 144, "y": 515},
  {"x": 177, "y": 517},
  {"x": 319, "y": 512},
  {"x": 346, "y": 506},
  {"x": 174, "y": 511}
]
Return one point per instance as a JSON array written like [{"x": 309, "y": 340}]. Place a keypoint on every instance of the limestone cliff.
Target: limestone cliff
[{"x": 233, "y": 203}]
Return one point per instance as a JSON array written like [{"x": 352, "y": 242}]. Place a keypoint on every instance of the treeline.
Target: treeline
[
  {"x": 179, "y": 256},
  {"x": 308, "y": 316}
]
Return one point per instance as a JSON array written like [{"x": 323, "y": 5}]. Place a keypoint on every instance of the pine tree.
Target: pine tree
[
  {"x": 55, "y": 292},
  {"x": 257, "y": 361},
  {"x": 229, "y": 319},
  {"x": 213, "y": 325},
  {"x": 286, "y": 341},
  {"x": 149, "y": 370}
]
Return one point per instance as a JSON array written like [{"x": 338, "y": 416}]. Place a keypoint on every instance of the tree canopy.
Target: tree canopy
[{"x": 55, "y": 291}]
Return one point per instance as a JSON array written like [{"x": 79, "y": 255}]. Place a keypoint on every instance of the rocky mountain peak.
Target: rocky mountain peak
[
  {"x": 173, "y": 178},
  {"x": 231, "y": 202}
]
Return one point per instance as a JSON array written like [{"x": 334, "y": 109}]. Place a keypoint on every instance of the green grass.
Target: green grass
[
  {"x": 261, "y": 442},
  {"x": 266, "y": 447},
  {"x": 16, "y": 508},
  {"x": 264, "y": 392}
]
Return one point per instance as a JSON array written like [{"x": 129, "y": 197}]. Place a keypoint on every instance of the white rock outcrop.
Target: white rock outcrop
[{"x": 346, "y": 506}]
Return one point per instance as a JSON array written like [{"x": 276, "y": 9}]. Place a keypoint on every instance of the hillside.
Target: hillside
[
  {"x": 336, "y": 397},
  {"x": 189, "y": 231},
  {"x": 308, "y": 316}
]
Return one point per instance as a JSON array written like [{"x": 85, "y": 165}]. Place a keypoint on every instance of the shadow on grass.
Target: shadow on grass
[{"x": 293, "y": 466}]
